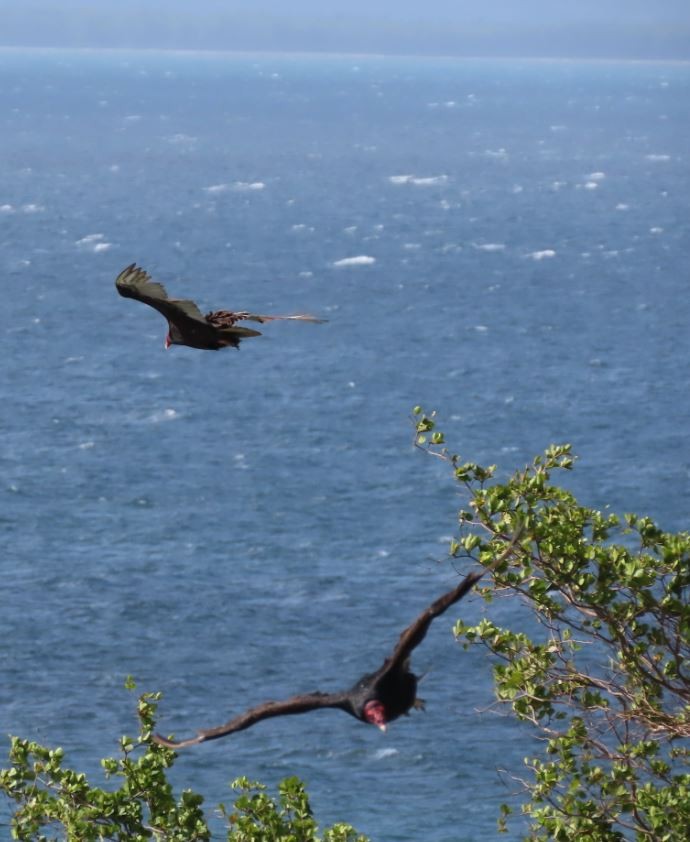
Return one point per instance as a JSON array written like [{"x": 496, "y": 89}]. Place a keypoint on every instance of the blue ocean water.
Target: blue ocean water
[{"x": 505, "y": 242}]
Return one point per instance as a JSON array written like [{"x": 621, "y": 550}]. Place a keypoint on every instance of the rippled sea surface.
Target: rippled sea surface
[{"x": 504, "y": 242}]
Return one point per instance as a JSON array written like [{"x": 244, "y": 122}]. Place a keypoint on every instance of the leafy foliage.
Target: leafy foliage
[
  {"x": 52, "y": 798},
  {"x": 606, "y": 678}
]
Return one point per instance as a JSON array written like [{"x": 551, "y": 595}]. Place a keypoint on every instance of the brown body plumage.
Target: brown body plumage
[{"x": 186, "y": 323}]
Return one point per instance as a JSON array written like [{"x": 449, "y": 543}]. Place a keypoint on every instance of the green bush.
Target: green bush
[
  {"x": 62, "y": 802},
  {"x": 605, "y": 680}
]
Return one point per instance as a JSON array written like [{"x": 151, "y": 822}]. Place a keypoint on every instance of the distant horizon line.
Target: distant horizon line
[{"x": 343, "y": 54}]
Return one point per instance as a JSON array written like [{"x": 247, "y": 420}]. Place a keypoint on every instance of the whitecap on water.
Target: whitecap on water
[
  {"x": 181, "y": 139},
  {"x": 653, "y": 156},
  {"x": 541, "y": 255},
  {"x": 217, "y": 188},
  {"x": 237, "y": 186},
  {"x": 383, "y": 753},
  {"x": 427, "y": 181},
  {"x": 489, "y": 246},
  {"x": 6, "y": 209},
  {"x": 163, "y": 415},
  {"x": 358, "y": 260},
  {"x": 248, "y": 185},
  {"x": 93, "y": 242},
  {"x": 419, "y": 181}
]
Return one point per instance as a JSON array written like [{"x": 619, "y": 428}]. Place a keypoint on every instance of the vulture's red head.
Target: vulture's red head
[{"x": 375, "y": 714}]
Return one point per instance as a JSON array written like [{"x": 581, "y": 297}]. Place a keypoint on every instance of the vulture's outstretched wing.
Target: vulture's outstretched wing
[
  {"x": 227, "y": 318},
  {"x": 293, "y": 705},
  {"x": 134, "y": 282},
  {"x": 415, "y": 633}
]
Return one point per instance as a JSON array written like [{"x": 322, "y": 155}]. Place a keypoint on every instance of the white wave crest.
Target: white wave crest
[
  {"x": 418, "y": 181},
  {"x": 163, "y": 415},
  {"x": 541, "y": 255},
  {"x": 490, "y": 246},
  {"x": 657, "y": 157},
  {"x": 6, "y": 209},
  {"x": 237, "y": 186},
  {"x": 248, "y": 185},
  {"x": 93, "y": 242},
  {"x": 181, "y": 139},
  {"x": 426, "y": 181},
  {"x": 359, "y": 260}
]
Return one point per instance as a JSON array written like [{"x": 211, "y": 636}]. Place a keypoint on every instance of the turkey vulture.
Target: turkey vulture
[
  {"x": 186, "y": 324},
  {"x": 377, "y": 698}
]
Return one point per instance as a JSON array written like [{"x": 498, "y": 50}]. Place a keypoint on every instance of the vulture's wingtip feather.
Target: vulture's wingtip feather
[{"x": 175, "y": 744}]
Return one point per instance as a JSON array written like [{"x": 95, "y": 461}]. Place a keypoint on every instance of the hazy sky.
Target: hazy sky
[{"x": 588, "y": 28}]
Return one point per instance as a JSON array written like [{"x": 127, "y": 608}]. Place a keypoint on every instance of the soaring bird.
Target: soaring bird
[
  {"x": 377, "y": 698},
  {"x": 186, "y": 324}
]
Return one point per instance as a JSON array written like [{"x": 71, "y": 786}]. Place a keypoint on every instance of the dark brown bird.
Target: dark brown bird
[
  {"x": 377, "y": 698},
  {"x": 186, "y": 323}
]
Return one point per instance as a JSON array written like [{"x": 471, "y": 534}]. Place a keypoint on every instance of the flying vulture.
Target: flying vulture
[
  {"x": 186, "y": 324},
  {"x": 377, "y": 698}
]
